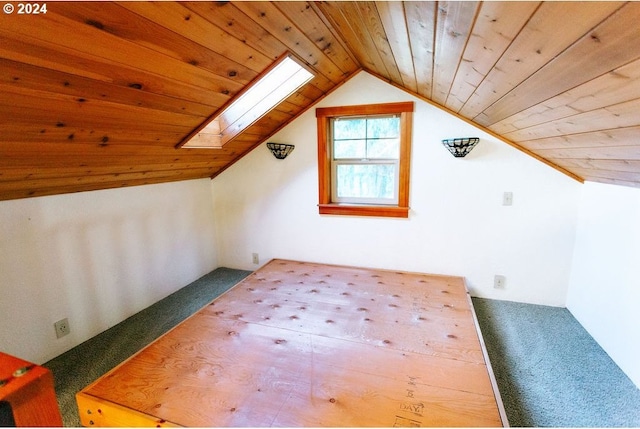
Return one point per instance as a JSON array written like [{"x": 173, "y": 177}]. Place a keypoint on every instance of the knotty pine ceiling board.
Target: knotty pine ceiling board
[
  {"x": 490, "y": 38},
  {"x": 420, "y": 19},
  {"x": 97, "y": 95},
  {"x": 453, "y": 27},
  {"x": 575, "y": 65}
]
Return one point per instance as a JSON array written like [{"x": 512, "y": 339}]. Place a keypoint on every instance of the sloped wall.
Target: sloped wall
[
  {"x": 97, "y": 258},
  {"x": 604, "y": 290},
  {"x": 457, "y": 223}
]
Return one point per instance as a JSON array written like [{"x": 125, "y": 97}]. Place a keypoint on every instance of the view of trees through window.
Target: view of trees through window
[{"x": 365, "y": 156}]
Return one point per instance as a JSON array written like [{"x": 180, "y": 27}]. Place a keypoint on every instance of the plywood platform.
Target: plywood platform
[{"x": 301, "y": 344}]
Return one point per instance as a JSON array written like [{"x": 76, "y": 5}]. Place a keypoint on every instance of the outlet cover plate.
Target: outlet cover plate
[{"x": 62, "y": 328}]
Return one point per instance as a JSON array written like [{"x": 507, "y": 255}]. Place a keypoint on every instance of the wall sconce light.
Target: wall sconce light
[
  {"x": 460, "y": 147},
  {"x": 280, "y": 150}
]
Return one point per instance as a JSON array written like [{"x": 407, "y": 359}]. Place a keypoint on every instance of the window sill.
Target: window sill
[{"x": 363, "y": 210}]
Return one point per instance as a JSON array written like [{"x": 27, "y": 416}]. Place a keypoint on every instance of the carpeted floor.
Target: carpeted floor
[{"x": 550, "y": 372}]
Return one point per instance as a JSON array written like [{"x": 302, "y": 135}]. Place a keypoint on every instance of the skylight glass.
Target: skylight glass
[{"x": 269, "y": 90}]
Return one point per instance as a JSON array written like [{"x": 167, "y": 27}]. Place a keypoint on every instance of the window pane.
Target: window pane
[
  {"x": 385, "y": 127},
  {"x": 383, "y": 149},
  {"x": 366, "y": 181},
  {"x": 264, "y": 95},
  {"x": 349, "y": 149},
  {"x": 347, "y": 129}
]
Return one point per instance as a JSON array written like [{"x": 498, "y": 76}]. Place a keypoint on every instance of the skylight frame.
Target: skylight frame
[{"x": 260, "y": 97}]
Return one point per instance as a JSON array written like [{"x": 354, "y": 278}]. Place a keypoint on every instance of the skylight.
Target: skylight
[{"x": 280, "y": 81}]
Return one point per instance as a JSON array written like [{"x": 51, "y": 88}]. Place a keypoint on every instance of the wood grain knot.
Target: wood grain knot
[
  {"x": 451, "y": 336},
  {"x": 386, "y": 342},
  {"x": 96, "y": 24},
  {"x": 332, "y": 400}
]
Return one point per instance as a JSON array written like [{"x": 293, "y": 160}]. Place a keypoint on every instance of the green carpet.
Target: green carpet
[{"x": 549, "y": 370}]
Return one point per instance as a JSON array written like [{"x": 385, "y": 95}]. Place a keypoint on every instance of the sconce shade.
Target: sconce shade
[
  {"x": 460, "y": 147},
  {"x": 280, "y": 150}
]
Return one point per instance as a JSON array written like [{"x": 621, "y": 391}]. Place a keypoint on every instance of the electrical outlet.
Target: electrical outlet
[
  {"x": 255, "y": 258},
  {"x": 499, "y": 281},
  {"x": 62, "y": 328}
]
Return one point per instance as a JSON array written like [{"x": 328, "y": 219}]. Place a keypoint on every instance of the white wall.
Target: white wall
[
  {"x": 97, "y": 258},
  {"x": 457, "y": 224},
  {"x": 604, "y": 289}
]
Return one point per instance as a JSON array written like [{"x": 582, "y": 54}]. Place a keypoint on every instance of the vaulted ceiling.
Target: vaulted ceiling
[{"x": 99, "y": 95}]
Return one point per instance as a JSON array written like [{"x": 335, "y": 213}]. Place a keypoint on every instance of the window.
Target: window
[
  {"x": 281, "y": 80},
  {"x": 364, "y": 158}
]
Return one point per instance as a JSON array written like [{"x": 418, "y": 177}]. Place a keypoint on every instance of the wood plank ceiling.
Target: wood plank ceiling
[{"x": 97, "y": 95}]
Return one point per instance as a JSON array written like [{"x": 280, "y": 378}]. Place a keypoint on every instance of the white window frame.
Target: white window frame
[{"x": 335, "y": 163}]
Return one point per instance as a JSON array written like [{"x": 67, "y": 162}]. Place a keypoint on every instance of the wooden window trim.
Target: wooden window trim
[{"x": 325, "y": 205}]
